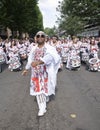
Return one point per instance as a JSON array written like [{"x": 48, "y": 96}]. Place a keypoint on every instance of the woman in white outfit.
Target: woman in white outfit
[{"x": 74, "y": 45}]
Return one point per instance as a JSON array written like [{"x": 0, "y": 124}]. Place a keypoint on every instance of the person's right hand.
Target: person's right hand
[{"x": 24, "y": 73}]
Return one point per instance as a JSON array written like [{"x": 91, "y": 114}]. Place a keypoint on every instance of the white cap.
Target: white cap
[{"x": 40, "y": 32}]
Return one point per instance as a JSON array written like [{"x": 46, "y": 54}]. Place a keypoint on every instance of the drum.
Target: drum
[
  {"x": 94, "y": 64},
  {"x": 2, "y": 58},
  {"x": 75, "y": 62},
  {"x": 14, "y": 63},
  {"x": 85, "y": 57}
]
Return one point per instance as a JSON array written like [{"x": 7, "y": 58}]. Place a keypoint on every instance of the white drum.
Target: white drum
[
  {"x": 85, "y": 57},
  {"x": 2, "y": 58},
  {"x": 94, "y": 64},
  {"x": 14, "y": 63},
  {"x": 75, "y": 62}
]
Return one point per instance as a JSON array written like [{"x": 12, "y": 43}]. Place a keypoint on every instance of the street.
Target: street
[{"x": 76, "y": 105}]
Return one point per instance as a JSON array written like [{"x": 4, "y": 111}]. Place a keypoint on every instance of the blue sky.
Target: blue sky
[{"x": 48, "y": 9}]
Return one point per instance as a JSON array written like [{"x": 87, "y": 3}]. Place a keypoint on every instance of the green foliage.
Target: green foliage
[
  {"x": 75, "y": 14},
  {"x": 21, "y": 15},
  {"x": 50, "y": 31}
]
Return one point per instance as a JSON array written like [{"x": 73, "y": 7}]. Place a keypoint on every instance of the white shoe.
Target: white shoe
[
  {"x": 41, "y": 112},
  {"x": 11, "y": 70}
]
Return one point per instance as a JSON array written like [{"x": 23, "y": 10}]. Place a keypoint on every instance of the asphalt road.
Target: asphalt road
[{"x": 76, "y": 105}]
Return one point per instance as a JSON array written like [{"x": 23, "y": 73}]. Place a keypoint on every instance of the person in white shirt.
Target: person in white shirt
[{"x": 44, "y": 62}]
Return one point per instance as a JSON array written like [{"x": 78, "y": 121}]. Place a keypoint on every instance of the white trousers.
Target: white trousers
[{"x": 41, "y": 100}]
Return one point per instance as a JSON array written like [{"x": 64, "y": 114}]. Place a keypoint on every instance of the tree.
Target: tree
[
  {"x": 21, "y": 15},
  {"x": 50, "y": 31},
  {"x": 76, "y": 14},
  {"x": 72, "y": 25}
]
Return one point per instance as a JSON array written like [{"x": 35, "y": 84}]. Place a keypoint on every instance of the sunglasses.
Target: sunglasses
[{"x": 42, "y": 36}]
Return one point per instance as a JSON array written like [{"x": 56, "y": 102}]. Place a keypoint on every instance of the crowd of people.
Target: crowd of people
[
  {"x": 45, "y": 56},
  {"x": 75, "y": 51},
  {"x": 64, "y": 46}
]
